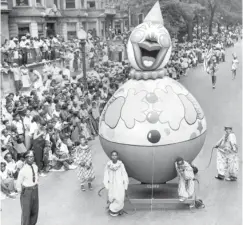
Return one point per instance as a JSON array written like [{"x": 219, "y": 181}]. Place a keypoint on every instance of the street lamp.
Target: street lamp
[
  {"x": 86, "y": 21},
  {"x": 82, "y": 36}
]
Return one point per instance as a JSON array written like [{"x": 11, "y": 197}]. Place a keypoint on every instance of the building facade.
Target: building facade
[
  {"x": 4, "y": 21},
  {"x": 64, "y": 17}
]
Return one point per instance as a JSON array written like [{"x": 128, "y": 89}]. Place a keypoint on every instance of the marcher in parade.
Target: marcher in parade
[
  {"x": 186, "y": 176},
  {"x": 116, "y": 182},
  {"x": 212, "y": 70},
  {"x": 235, "y": 63},
  {"x": 83, "y": 159},
  {"x": 227, "y": 158},
  {"x": 27, "y": 186}
]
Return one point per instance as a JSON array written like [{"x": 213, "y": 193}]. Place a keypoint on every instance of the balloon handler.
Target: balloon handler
[
  {"x": 186, "y": 187},
  {"x": 227, "y": 158}
]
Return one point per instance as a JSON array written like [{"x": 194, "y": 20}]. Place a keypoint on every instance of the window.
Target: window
[
  {"x": 39, "y": 3},
  {"x": 133, "y": 20},
  {"x": 70, "y": 4},
  {"x": 71, "y": 30},
  {"x": 91, "y": 4},
  {"x": 82, "y": 4},
  {"x": 140, "y": 18},
  {"x": 40, "y": 29},
  {"x": 84, "y": 25},
  {"x": 23, "y": 29},
  {"x": 117, "y": 27},
  {"x": 22, "y": 2}
]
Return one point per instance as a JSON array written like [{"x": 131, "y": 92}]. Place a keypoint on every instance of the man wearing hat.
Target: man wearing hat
[
  {"x": 27, "y": 186},
  {"x": 227, "y": 159}
]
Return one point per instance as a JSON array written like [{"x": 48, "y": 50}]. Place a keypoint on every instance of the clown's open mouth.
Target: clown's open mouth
[{"x": 149, "y": 54}]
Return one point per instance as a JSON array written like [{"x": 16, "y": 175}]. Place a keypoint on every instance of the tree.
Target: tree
[
  {"x": 187, "y": 11},
  {"x": 227, "y": 11},
  {"x": 180, "y": 16}
]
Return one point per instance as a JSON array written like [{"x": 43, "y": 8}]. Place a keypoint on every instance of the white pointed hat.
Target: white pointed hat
[{"x": 155, "y": 14}]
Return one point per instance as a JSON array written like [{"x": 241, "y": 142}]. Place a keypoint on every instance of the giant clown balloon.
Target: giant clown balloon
[{"x": 152, "y": 119}]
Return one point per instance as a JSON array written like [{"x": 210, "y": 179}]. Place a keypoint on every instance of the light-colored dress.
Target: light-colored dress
[
  {"x": 83, "y": 159},
  {"x": 116, "y": 182},
  {"x": 227, "y": 158},
  {"x": 235, "y": 63},
  {"x": 186, "y": 183}
]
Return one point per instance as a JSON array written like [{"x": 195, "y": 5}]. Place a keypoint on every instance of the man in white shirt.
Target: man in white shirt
[
  {"x": 27, "y": 186},
  {"x": 23, "y": 48},
  {"x": 37, "y": 48},
  {"x": 17, "y": 77},
  {"x": 12, "y": 43}
]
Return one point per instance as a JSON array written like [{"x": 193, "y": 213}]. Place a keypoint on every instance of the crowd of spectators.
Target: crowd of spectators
[{"x": 58, "y": 109}]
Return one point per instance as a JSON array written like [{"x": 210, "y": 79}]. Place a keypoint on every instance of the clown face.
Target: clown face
[{"x": 149, "y": 47}]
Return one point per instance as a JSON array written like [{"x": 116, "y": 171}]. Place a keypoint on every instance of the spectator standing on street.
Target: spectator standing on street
[
  {"x": 39, "y": 138},
  {"x": 27, "y": 186}
]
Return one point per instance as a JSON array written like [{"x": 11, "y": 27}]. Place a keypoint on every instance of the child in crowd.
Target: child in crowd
[
  {"x": 11, "y": 165},
  {"x": 7, "y": 181},
  {"x": 83, "y": 159}
]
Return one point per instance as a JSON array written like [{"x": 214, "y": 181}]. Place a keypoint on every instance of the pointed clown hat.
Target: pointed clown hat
[{"x": 155, "y": 15}]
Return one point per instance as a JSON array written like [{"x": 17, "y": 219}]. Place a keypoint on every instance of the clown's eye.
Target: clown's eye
[
  {"x": 137, "y": 36},
  {"x": 164, "y": 41}
]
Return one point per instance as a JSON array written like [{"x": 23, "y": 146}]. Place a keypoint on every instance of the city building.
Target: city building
[
  {"x": 4, "y": 20},
  {"x": 64, "y": 17}
]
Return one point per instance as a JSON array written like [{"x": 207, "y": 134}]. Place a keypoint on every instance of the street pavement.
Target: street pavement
[{"x": 63, "y": 203}]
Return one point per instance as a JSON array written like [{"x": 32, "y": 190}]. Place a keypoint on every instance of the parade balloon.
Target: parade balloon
[{"x": 152, "y": 119}]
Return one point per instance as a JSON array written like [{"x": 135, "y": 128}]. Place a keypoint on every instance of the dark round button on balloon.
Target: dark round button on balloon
[
  {"x": 152, "y": 117},
  {"x": 151, "y": 98},
  {"x": 153, "y": 136}
]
